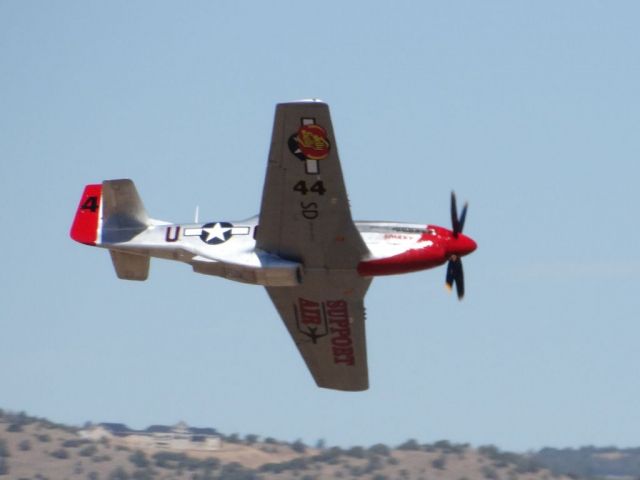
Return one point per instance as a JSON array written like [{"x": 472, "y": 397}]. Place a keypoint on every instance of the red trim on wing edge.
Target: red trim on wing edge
[{"x": 85, "y": 224}]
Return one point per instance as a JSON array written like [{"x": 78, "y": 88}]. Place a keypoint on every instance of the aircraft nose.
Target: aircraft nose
[{"x": 463, "y": 245}]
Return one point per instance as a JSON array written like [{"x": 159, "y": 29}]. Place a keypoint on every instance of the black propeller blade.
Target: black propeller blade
[
  {"x": 455, "y": 274},
  {"x": 457, "y": 222}
]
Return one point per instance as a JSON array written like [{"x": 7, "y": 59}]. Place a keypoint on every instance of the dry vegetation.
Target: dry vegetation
[{"x": 38, "y": 449}]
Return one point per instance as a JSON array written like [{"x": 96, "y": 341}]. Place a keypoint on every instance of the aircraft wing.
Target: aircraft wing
[
  {"x": 305, "y": 214},
  {"x": 325, "y": 315},
  {"x": 305, "y": 218}
]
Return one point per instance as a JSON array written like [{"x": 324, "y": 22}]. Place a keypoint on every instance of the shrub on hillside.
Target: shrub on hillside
[
  {"x": 380, "y": 476},
  {"x": 235, "y": 471},
  {"x": 330, "y": 456},
  {"x": 380, "y": 449},
  {"x": 355, "y": 452},
  {"x": 60, "y": 454},
  {"x": 272, "y": 468},
  {"x": 143, "y": 474},
  {"x": 298, "y": 446},
  {"x": 489, "y": 473},
  {"x": 139, "y": 459},
  {"x": 21, "y": 419},
  {"x": 100, "y": 458},
  {"x": 88, "y": 451},
  {"x": 300, "y": 463},
  {"x": 447, "y": 447},
  {"x": 75, "y": 442},
  {"x": 119, "y": 474},
  {"x": 4, "y": 450},
  {"x": 170, "y": 460},
  {"x": 4, "y": 466},
  {"x": 355, "y": 471},
  {"x": 410, "y": 444},
  {"x": 375, "y": 463},
  {"x": 439, "y": 462},
  {"x": 527, "y": 465},
  {"x": 180, "y": 461},
  {"x": 209, "y": 464}
]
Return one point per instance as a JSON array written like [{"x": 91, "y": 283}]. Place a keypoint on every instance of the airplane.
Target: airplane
[{"x": 315, "y": 262}]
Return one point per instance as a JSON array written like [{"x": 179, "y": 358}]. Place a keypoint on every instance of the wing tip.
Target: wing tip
[
  {"x": 305, "y": 101},
  {"x": 348, "y": 386},
  {"x": 309, "y": 100}
]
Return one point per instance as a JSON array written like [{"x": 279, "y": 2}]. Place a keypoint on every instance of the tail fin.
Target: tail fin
[
  {"x": 110, "y": 214},
  {"x": 123, "y": 214},
  {"x": 86, "y": 224}
]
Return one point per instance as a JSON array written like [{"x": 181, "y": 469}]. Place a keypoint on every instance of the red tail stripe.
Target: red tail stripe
[{"x": 85, "y": 223}]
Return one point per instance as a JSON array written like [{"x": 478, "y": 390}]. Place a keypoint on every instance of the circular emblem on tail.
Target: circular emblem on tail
[{"x": 310, "y": 143}]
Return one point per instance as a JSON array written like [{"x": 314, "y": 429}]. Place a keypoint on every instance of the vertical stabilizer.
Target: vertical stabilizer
[{"x": 123, "y": 214}]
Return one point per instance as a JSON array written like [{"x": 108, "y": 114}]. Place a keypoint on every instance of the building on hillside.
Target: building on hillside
[{"x": 177, "y": 437}]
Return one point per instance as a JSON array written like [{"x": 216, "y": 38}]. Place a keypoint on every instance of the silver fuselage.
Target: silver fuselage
[{"x": 228, "y": 249}]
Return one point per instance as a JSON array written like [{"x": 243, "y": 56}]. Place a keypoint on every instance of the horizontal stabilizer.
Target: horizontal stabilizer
[{"x": 130, "y": 266}]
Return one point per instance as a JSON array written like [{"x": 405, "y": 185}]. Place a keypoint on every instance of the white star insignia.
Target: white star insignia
[{"x": 217, "y": 231}]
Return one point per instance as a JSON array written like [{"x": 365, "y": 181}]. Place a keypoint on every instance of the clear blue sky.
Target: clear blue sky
[{"x": 530, "y": 110}]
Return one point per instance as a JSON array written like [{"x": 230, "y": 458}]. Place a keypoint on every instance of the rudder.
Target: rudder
[{"x": 86, "y": 224}]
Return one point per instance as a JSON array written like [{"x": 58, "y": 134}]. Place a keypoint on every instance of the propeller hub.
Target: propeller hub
[
  {"x": 461, "y": 245},
  {"x": 458, "y": 245}
]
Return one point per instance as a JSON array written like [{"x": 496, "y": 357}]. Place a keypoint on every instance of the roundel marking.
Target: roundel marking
[{"x": 216, "y": 233}]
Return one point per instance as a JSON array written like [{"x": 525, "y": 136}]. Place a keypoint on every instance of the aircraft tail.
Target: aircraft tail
[{"x": 109, "y": 214}]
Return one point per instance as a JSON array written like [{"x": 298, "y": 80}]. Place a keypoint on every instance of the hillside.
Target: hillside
[
  {"x": 38, "y": 449},
  {"x": 593, "y": 462}
]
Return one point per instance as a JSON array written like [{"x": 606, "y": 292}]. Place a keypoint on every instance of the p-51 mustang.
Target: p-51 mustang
[{"x": 314, "y": 260}]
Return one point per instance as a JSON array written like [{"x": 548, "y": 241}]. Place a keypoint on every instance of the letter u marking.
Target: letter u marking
[{"x": 172, "y": 236}]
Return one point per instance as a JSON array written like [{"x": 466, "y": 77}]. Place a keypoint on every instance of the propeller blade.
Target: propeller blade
[
  {"x": 449, "y": 279},
  {"x": 463, "y": 216},
  {"x": 459, "y": 278},
  {"x": 455, "y": 275},
  {"x": 455, "y": 224}
]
